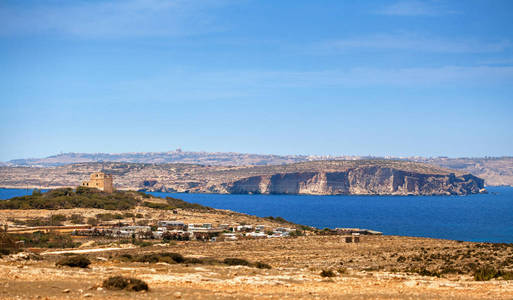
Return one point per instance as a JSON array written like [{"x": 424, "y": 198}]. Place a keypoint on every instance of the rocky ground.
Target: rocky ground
[{"x": 370, "y": 269}]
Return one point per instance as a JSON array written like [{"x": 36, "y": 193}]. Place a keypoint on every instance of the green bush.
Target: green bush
[
  {"x": 125, "y": 283},
  {"x": 485, "y": 273},
  {"x": 74, "y": 261}
]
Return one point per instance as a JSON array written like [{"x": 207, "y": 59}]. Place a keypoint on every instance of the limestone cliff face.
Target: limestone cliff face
[
  {"x": 373, "y": 180},
  {"x": 358, "y": 177}
]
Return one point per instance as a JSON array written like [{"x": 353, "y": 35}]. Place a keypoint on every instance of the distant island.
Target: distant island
[
  {"x": 335, "y": 177},
  {"x": 495, "y": 171}
]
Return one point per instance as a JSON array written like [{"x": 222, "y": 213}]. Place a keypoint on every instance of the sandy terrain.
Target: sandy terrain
[{"x": 363, "y": 272}]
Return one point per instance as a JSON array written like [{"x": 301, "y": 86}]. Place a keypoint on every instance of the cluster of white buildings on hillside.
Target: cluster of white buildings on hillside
[{"x": 178, "y": 230}]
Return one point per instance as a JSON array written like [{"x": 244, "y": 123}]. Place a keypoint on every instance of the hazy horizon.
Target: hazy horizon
[{"x": 179, "y": 150}]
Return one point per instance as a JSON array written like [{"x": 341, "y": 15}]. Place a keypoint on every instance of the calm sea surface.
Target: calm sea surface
[{"x": 486, "y": 217}]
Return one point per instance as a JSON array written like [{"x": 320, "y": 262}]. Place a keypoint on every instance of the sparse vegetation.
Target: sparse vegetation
[
  {"x": 178, "y": 203},
  {"x": 84, "y": 197},
  {"x": 176, "y": 258},
  {"x": 125, "y": 283},
  {"x": 236, "y": 262},
  {"x": 327, "y": 273},
  {"x": 485, "y": 273},
  {"x": 41, "y": 239},
  {"x": 76, "y": 219},
  {"x": 278, "y": 219},
  {"x": 262, "y": 265},
  {"x": 105, "y": 217},
  {"x": 68, "y": 198},
  {"x": 74, "y": 261},
  {"x": 92, "y": 221},
  {"x": 167, "y": 257}
]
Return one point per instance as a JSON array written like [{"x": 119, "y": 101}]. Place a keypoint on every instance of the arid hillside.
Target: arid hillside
[
  {"x": 362, "y": 177},
  {"x": 494, "y": 170}
]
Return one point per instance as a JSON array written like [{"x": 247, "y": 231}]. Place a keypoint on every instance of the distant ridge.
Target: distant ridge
[
  {"x": 495, "y": 170},
  {"x": 176, "y": 156}
]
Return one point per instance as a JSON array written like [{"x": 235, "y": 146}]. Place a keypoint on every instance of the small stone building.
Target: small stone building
[{"x": 100, "y": 181}]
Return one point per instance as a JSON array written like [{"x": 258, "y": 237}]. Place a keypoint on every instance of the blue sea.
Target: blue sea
[{"x": 483, "y": 218}]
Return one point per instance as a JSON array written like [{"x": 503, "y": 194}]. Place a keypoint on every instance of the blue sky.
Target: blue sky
[{"x": 333, "y": 77}]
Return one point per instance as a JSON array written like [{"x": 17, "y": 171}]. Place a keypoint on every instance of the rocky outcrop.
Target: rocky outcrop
[
  {"x": 373, "y": 180},
  {"x": 337, "y": 177}
]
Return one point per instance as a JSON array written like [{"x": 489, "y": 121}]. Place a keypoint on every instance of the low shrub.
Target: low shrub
[
  {"x": 327, "y": 273},
  {"x": 278, "y": 219},
  {"x": 426, "y": 272},
  {"x": 125, "y": 283},
  {"x": 74, "y": 261},
  {"x": 6, "y": 251},
  {"x": 506, "y": 275},
  {"x": 167, "y": 257},
  {"x": 236, "y": 262},
  {"x": 193, "y": 260},
  {"x": 262, "y": 265},
  {"x": 126, "y": 257},
  {"x": 105, "y": 217},
  {"x": 179, "y": 203},
  {"x": 92, "y": 221},
  {"x": 56, "y": 220},
  {"x": 141, "y": 243},
  {"x": 485, "y": 273},
  {"x": 41, "y": 239},
  {"x": 76, "y": 219}
]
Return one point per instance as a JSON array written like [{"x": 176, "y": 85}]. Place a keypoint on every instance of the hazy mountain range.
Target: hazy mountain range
[{"x": 495, "y": 170}]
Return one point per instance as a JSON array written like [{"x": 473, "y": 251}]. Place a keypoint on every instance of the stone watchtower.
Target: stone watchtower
[{"x": 100, "y": 181}]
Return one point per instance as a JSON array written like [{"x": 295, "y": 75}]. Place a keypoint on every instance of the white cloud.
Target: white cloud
[
  {"x": 414, "y": 8},
  {"x": 412, "y": 42},
  {"x": 110, "y": 18}
]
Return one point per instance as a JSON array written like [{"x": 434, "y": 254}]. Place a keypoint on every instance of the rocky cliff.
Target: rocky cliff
[
  {"x": 356, "y": 181},
  {"x": 362, "y": 177},
  {"x": 494, "y": 170}
]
